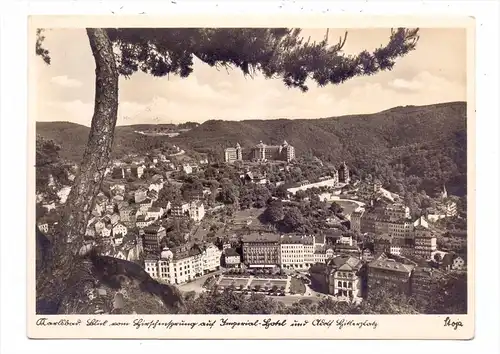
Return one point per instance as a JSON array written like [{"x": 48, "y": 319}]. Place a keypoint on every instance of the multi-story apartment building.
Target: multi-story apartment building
[
  {"x": 425, "y": 242},
  {"x": 153, "y": 235},
  {"x": 382, "y": 224},
  {"x": 292, "y": 250},
  {"x": 261, "y": 249},
  {"x": 233, "y": 154},
  {"x": 232, "y": 259},
  {"x": 179, "y": 209},
  {"x": 176, "y": 266},
  {"x": 450, "y": 208},
  {"x": 211, "y": 257},
  {"x": 425, "y": 283},
  {"x": 196, "y": 210},
  {"x": 352, "y": 250},
  {"x": 127, "y": 215},
  {"x": 344, "y": 276},
  {"x": 397, "y": 211},
  {"x": 382, "y": 243},
  {"x": 356, "y": 219},
  {"x": 400, "y": 228},
  {"x": 388, "y": 272}
]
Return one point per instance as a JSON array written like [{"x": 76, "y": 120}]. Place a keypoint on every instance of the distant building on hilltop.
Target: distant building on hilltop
[
  {"x": 261, "y": 152},
  {"x": 233, "y": 154},
  {"x": 283, "y": 152}
]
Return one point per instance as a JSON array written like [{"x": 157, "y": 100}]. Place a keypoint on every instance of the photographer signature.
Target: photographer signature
[{"x": 454, "y": 324}]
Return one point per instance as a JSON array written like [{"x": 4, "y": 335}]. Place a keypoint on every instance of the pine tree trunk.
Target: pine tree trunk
[
  {"x": 96, "y": 157},
  {"x": 59, "y": 279}
]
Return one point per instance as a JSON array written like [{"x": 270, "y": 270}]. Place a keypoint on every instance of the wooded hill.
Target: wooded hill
[{"x": 428, "y": 142}]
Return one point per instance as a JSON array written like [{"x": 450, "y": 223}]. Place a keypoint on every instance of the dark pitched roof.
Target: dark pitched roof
[
  {"x": 153, "y": 228},
  {"x": 231, "y": 252}
]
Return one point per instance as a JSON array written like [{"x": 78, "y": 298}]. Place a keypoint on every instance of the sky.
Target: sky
[{"x": 433, "y": 73}]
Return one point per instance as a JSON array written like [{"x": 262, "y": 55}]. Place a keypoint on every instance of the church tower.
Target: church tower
[
  {"x": 344, "y": 176},
  {"x": 239, "y": 155},
  {"x": 444, "y": 193}
]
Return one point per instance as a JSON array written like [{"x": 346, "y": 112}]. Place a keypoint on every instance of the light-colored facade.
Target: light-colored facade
[
  {"x": 176, "y": 266},
  {"x": 292, "y": 251},
  {"x": 400, "y": 228},
  {"x": 140, "y": 195},
  {"x": 233, "y": 154},
  {"x": 263, "y": 152},
  {"x": 232, "y": 258},
  {"x": 155, "y": 213},
  {"x": 344, "y": 278},
  {"x": 120, "y": 229},
  {"x": 196, "y": 210},
  {"x": 329, "y": 181},
  {"x": 211, "y": 258},
  {"x": 425, "y": 242},
  {"x": 142, "y": 222}
]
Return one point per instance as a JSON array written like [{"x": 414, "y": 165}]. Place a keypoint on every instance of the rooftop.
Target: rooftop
[
  {"x": 261, "y": 237},
  {"x": 389, "y": 264},
  {"x": 153, "y": 228},
  {"x": 231, "y": 252},
  {"x": 296, "y": 239},
  {"x": 345, "y": 262}
]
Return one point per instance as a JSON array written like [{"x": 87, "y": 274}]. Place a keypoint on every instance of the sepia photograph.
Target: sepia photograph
[{"x": 250, "y": 170}]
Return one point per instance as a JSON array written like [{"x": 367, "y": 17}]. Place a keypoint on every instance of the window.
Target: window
[{"x": 339, "y": 284}]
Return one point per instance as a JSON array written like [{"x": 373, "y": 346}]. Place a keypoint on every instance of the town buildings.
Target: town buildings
[
  {"x": 122, "y": 172},
  {"x": 453, "y": 261}
]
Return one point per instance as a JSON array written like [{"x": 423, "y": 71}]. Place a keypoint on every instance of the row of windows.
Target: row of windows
[{"x": 345, "y": 284}]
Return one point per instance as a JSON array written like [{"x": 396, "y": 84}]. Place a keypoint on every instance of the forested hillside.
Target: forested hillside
[{"x": 410, "y": 148}]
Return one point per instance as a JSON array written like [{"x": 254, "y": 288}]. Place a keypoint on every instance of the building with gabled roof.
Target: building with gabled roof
[
  {"x": 344, "y": 276},
  {"x": 388, "y": 272}
]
